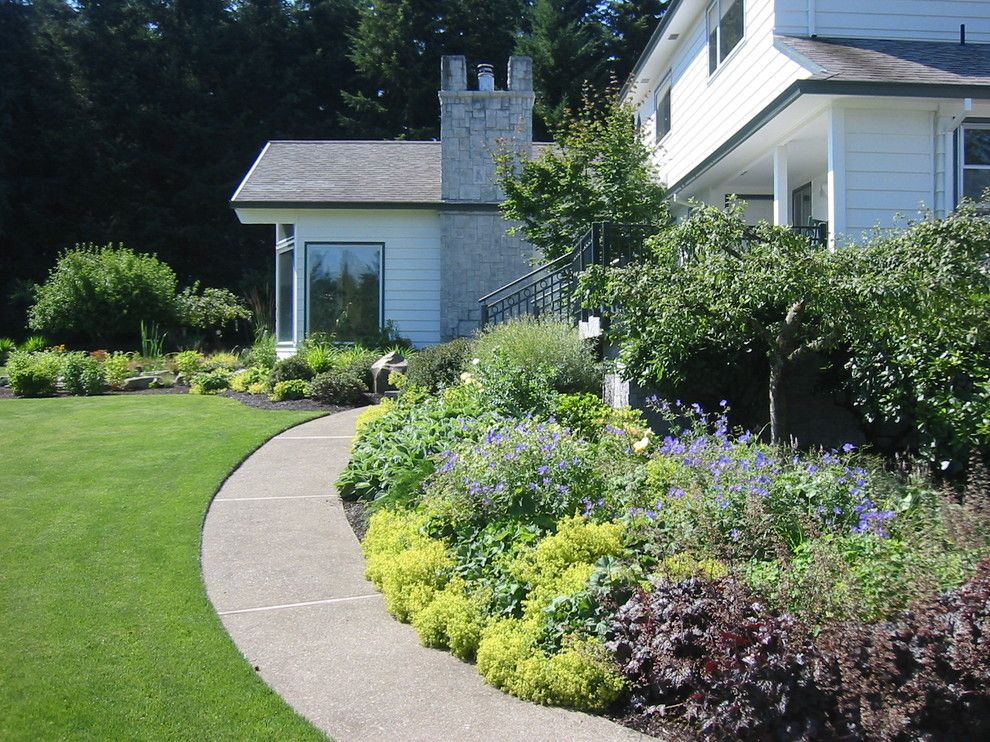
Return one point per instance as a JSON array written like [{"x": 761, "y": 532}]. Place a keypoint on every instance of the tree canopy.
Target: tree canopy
[{"x": 133, "y": 120}]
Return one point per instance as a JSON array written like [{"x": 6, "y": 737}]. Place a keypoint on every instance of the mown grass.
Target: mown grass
[{"x": 105, "y": 628}]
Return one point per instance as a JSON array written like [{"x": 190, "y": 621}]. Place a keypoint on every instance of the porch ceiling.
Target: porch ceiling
[{"x": 807, "y": 157}]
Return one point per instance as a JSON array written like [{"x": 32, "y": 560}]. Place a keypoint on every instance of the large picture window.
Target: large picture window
[
  {"x": 726, "y": 25},
  {"x": 344, "y": 289},
  {"x": 975, "y": 161}
]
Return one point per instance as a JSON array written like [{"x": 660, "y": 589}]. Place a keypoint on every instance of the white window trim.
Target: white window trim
[
  {"x": 665, "y": 86},
  {"x": 961, "y": 165},
  {"x": 708, "y": 35}
]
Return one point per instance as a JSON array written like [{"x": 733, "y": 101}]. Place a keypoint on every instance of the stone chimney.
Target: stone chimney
[{"x": 475, "y": 124}]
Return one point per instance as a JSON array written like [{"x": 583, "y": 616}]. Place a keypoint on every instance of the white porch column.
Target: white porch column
[
  {"x": 781, "y": 189},
  {"x": 836, "y": 173}
]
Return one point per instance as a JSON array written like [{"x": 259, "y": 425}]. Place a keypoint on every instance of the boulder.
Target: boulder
[
  {"x": 4, "y": 381},
  {"x": 137, "y": 383},
  {"x": 381, "y": 368}
]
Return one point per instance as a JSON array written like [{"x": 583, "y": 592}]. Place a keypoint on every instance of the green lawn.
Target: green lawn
[{"x": 105, "y": 628}]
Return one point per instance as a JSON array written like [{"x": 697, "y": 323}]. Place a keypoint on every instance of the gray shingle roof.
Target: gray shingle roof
[
  {"x": 884, "y": 60},
  {"x": 343, "y": 172}
]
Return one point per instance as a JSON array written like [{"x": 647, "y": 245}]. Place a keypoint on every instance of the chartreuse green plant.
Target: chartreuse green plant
[
  {"x": 244, "y": 380},
  {"x": 82, "y": 374},
  {"x": 210, "y": 382},
  {"x": 289, "y": 389},
  {"x": 7, "y": 346},
  {"x": 188, "y": 363},
  {"x": 116, "y": 368},
  {"x": 81, "y": 658}
]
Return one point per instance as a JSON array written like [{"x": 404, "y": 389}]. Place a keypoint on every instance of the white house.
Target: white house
[
  {"x": 837, "y": 113},
  {"x": 405, "y": 233}
]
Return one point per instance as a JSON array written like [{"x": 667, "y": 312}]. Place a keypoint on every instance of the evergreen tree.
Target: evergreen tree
[{"x": 630, "y": 25}]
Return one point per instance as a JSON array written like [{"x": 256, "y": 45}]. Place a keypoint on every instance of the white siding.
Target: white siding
[
  {"x": 707, "y": 110},
  {"x": 889, "y": 160},
  {"x": 411, "y": 266},
  {"x": 931, "y": 20}
]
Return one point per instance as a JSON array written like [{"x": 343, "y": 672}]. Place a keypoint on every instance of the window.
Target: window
[
  {"x": 344, "y": 289},
  {"x": 725, "y": 30},
  {"x": 662, "y": 105},
  {"x": 975, "y": 176},
  {"x": 285, "y": 274}
]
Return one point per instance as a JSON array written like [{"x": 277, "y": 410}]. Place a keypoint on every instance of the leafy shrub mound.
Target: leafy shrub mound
[
  {"x": 289, "y": 369},
  {"x": 393, "y": 455},
  {"x": 104, "y": 292},
  {"x": 244, "y": 380},
  {"x": 716, "y": 657},
  {"x": 210, "y": 382},
  {"x": 83, "y": 374},
  {"x": 439, "y": 366},
  {"x": 289, "y": 389},
  {"x": 116, "y": 368},
  {"x": 337, "y": 387},
  {"x": 189, "y": 363},
  {"x": 527, "y": 344},
  {"x": 34, "y": 374}
]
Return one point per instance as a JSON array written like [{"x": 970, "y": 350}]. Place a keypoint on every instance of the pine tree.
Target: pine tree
[{"x": 630, "y": 24}]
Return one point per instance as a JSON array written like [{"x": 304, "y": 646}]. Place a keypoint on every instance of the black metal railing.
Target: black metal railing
[
  {"x": 548, "y": 291},
  {"x": 817, "y": 234}
]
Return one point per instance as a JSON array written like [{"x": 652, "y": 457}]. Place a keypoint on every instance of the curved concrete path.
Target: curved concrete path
[{"x": 286, "y": 575}]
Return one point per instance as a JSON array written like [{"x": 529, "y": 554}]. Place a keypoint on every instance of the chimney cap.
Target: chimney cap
[{"x": 486, "y": 77}]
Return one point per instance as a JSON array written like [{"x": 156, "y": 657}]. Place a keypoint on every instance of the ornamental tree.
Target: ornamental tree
[
  {"x": 713, "y": 284},
  {"x": 600, "y": 170}
]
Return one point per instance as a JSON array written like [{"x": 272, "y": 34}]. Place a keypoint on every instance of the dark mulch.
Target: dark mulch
[
  {"x": 262, "y": 402},
  {"x": 357, "y": 515}
]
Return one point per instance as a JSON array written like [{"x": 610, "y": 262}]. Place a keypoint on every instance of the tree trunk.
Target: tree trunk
[{"x": 778, "y": 402}]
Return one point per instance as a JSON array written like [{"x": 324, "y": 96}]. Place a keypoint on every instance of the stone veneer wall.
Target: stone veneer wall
[{"x": 477, "y": 256}]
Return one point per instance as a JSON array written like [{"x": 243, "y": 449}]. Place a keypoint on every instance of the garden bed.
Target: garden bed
[{"x": 697, "y": 580}]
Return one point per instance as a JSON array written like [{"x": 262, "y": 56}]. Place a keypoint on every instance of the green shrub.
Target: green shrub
[
  {"x": 337, "y": 387},
  {"x": 513, "y": 391},
  {"x": 289, "y": 389},
  {"x": 228, "y": 361},
  {"x": 34, "y": 374},
  {"x": 262, "y": 352},
  {"x": 244, "y": 380},
  {"x": 394, "y": 453},
  {"x": 189, "y": 363},
  {"x": 440, "y": 366},
  {"x": 7, "y": 346},
  {"x": 35, "y": 343},
  {"x": 530, "y": 343},
  {"x": 82, "y": 375},
  {"x": 320, "y": 357},
  {"x": 210, "y": 382},
  {"x": 290, "y": 369},
  {"x": 104, "y": 293},
  {"x": 116, "y": 368},
  {"x": 584, "y": 413},
  {"x": 209, "y": 308},
  {"x": 357, "y": 360}
]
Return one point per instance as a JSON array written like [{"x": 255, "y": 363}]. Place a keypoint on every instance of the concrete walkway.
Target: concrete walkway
[{"x": 286, "y": 574}]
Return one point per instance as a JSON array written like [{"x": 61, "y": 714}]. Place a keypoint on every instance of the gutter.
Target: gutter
[
  {"x": 379, "y": 205},
  {"x": 827, "y": 87}
]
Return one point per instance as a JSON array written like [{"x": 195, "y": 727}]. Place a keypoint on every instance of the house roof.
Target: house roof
[
  {"x": 358, "y": 172},
  {"x": 348, "y": 173},
  {"x": 894, "y": 61}
]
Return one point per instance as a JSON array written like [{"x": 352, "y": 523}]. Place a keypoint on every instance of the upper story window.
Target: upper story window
[
  {"x": 975, "y": 176},
  {"x": 662, "y": 106},
  {"x": 725, "y": 30}
]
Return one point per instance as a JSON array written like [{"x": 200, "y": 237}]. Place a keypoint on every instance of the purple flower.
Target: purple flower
[
  {"x": 676, "y": 492},
  {"x": 544, "y": 469},
  {"x": 723, "y": 404},
  {"x": 746, "y": 437},
  {"x": 812, "y": 469},
  {"x": 734, "y": 534}
]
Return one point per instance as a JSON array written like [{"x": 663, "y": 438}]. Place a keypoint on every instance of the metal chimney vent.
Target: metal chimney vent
[{"x": 486, "y": 77}]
